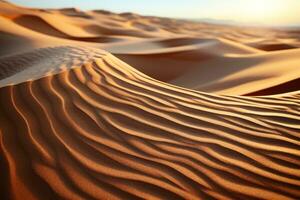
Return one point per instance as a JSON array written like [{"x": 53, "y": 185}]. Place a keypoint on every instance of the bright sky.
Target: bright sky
[{"x": 271, "y": 12}]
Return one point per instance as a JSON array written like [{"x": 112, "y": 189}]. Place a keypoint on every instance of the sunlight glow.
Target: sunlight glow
[
  {"x": 262, "y": 12},
  {"x": 257, "y": 10},
  {"x": 271, "y": 12}
]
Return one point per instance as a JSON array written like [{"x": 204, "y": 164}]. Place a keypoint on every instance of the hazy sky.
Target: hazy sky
[{"x": 249, "y": 11}]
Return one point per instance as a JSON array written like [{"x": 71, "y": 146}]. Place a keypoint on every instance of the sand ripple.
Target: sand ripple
[{"x": 103, "y": 130}]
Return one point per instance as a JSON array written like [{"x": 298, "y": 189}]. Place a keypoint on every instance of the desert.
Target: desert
[{"x": 102, "y": 105}]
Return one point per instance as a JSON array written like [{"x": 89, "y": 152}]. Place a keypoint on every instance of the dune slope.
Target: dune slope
[
  {"x": 104, "y": 130},
  {"x": 200, "y": 56}
]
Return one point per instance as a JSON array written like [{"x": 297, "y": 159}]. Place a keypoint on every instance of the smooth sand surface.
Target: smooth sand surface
[{"x": 98, "y": 105}]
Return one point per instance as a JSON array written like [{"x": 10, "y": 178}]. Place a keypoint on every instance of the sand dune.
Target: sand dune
[
  {"x": 247, "y": 75},
  {"x": 104, "y": 129},
  {"x": 171, "y": 59},
  {"x": 163, "y": 109}
]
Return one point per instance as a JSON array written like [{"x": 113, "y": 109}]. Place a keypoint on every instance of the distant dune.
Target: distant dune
[{"x": 98, "y": 105}]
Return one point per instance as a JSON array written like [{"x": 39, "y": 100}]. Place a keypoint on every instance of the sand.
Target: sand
[{"x": 99, "y": 105}]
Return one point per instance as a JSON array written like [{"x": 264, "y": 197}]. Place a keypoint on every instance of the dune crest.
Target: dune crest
[{"x": 104, "y": 130}]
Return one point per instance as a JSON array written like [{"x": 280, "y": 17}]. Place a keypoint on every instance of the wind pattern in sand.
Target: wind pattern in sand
[{"x": 104, "y": 130}]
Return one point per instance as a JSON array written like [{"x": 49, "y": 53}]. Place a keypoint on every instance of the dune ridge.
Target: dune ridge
[
  {"x": 105, "y": 130},
  {"x": 184, "y": 59}
]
